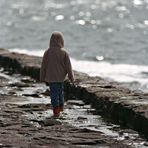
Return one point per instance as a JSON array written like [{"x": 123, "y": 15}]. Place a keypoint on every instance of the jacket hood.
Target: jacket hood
[{"x": 56, "y": 40}]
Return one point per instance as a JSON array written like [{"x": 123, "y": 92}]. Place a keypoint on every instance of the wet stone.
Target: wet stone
[
  {"x": 50, "y": 122},
  {"x": 19, "y": 84},
  {"x": 92, "y": 111},
  {"x": 12, "y": 92},
  {"x": 27, "y": 80},
  {"x": 32, "y": 95},
  {"x": 88, "y": 142},
  {"x": 75, "y": 102},
  {"x": 146, "y": 144},
  {"x": 82, "y": 118},
  {"x": 34, "y": 107},
  {"x": 46, "y": 93}
]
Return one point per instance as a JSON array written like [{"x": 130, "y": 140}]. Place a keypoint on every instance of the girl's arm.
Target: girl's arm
[
  {"x": 69, "y": 69},
  {"x": 43, "y": 68}
]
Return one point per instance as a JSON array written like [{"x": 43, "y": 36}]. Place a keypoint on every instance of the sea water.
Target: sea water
[{"x": 107, "y": 38}]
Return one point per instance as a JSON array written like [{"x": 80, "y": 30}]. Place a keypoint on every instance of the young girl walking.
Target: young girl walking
[{"x": 54, "y": 68}]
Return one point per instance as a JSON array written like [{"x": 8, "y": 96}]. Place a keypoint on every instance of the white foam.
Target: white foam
[
  {"x": 59, "y": 17},
  {"x": 118, "y": 72},
  {"x": 38, "y": 18},
  {"x": 29, "y": 52}
]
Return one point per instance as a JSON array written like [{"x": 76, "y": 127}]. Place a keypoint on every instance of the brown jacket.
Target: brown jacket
[{"x": 56, "y": 62}]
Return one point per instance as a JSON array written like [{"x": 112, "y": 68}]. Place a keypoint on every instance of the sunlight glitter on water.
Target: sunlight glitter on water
[{"x": 137, "y": 2}]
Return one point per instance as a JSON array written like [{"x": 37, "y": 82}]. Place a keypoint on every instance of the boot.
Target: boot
[
  {"x": 61, "y": 108},
  {"x": 56, "y": 112}
]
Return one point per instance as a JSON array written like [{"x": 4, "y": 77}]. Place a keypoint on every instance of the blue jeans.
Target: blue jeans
[{"x": 57, "y": 94}]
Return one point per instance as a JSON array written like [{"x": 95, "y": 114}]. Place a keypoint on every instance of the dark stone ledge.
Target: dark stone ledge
[{"x": 109, "y": 98}]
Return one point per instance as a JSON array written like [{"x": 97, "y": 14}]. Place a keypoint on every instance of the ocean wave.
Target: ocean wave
[{"x": 117, "y": 72}]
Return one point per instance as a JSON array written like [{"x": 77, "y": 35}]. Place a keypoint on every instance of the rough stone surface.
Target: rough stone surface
[
  {"x": 24, "y": 124},
  {"x": 110, "y": 99}
]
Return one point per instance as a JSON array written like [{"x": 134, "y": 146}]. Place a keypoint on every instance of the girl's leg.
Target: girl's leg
[
  {"x": 54, "y": 98},
  {"x": 61, "y": 97}
]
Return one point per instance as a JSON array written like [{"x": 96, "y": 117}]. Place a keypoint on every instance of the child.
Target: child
[{"x": 55, "y": 66}]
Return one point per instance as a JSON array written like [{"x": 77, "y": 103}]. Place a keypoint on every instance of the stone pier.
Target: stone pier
[{"x": 126, "y": 107}]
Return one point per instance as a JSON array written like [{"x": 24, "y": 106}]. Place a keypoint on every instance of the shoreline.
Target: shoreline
[{"x": 126, "y": 107}]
